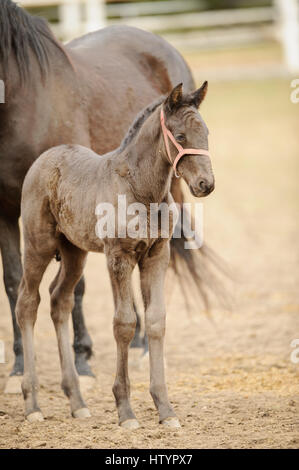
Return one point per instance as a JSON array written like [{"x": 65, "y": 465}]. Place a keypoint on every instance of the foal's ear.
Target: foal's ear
[
  {"x": 174, "y": 99},
  {"x": 198, "y": 96}
]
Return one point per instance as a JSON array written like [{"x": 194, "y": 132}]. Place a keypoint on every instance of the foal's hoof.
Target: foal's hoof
[
  {"x": 86, "y": 383},
  {"x": 13, "y": 384},
  {"x": 35, "y": 417},
  {"x": 171, "y": 422},
  {"x": 130, "y": 424},
  {"x": 82, "y": 413}
]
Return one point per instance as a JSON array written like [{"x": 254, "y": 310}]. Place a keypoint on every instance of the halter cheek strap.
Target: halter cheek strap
[{"x": 181, "y": 151}]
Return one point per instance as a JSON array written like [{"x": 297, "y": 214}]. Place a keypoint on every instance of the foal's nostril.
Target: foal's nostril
[
  {"x": 206, "y": 186},
  {"x": 203, "y": 185}
]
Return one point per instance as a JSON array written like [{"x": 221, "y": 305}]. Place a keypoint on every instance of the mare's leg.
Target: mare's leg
[
  {"x": 82, "y": 341},
  {"x": 137, "y": 341},
  {"x": 152, "y": 274},
  {"x": 26, "y": 311},
  {"x": 62, "y": 301},
  {"x": 145, "y": 344},
  {"x": 12, "y": 273},
  {"x": 120, "y": 268}
]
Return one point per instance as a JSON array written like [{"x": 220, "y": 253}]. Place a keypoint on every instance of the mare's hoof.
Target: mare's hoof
[
  {"x": 82, "y": 413},
  {"x": 13, "y": 384},
  {"x": 35, "y": 417},
  {"x": 130, "y": 424},
  {"x": 82, "y": 366},
  {"x": 139, "y": 361},
  {"x": 86, "y": 383},
  {"x": 171, "y": 422}
]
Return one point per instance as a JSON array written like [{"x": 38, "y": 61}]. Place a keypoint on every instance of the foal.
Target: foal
[{"x": 60, "y": 193}]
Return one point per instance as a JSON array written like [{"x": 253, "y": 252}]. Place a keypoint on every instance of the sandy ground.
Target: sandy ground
[{"x": 231, "y": 379}]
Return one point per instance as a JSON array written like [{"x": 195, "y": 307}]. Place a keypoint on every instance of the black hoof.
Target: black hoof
[
  {"x": 18, "y": 368},
  {"x": 82, "y": 366},
  {"x": 137, "y": 342},
  {"x": 145, "y": 345}
]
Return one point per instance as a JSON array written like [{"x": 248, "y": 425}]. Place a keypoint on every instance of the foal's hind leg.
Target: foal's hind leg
[
  {"x": 82, "y": 341},
  {"x": 26, "y": 311},
  {"x": 62, "y": 302}
]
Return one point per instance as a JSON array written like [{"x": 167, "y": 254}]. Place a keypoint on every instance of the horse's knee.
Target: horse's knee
[
  {"x": 155, "y": 324},
  {"x": 124, "y": 328}
]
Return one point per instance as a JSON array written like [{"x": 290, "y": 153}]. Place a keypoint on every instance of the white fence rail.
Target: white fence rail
[
  {"x": 205, "y": 19},
  {"x": 153, "y": 8},
  {"x": 282, "y": 20}
]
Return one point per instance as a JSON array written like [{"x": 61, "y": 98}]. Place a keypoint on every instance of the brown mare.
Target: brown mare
[
  {"x": 87, "y": 93},
  {"x": 60, "y": 193}
]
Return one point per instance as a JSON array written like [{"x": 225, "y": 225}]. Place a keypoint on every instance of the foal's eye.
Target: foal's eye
[{"x": 180, "y": 138}]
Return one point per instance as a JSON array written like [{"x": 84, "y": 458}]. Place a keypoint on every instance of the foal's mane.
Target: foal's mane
[
  {"x": 21, "y": 33},
  {"x": 139, "y": 121}
]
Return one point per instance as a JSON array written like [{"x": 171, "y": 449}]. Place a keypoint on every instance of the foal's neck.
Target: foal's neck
[{"x": 150, "y": 171}]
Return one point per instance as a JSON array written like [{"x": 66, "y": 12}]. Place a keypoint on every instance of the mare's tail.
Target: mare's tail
[{"x": 201, "y": 273}]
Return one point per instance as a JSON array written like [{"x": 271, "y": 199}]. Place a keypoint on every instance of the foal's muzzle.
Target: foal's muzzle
[{"x": 202, "y": 187}]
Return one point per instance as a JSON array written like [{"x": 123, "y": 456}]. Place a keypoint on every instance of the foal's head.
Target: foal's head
[{"x": 182, "y": 119}]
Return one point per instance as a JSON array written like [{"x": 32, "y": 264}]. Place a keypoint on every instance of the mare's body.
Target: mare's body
[{"x": 87, "y": 93}]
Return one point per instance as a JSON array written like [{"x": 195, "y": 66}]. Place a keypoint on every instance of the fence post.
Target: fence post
[
  {"x": 289, "y": 32},
  {"x": 95, "y": 15},
  {"x": 70, "y": 18}
]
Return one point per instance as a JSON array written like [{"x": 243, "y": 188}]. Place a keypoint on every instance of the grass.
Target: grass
[{"x": 263, "y": 53}]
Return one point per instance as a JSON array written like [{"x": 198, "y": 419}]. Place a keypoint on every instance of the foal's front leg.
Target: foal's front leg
[
  {"x": 152, "y": 274},
  {"x": 120, "y": 269}
]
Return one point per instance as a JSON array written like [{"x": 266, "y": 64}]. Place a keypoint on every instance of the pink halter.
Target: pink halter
[{"x": 167, "y": 134}]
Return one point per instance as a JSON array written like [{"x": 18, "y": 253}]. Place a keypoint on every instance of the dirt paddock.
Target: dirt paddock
[{"x": 230, "y": 374}]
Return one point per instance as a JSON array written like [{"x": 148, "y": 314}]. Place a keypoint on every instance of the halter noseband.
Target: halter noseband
[{"x": 181, "y": 151}]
